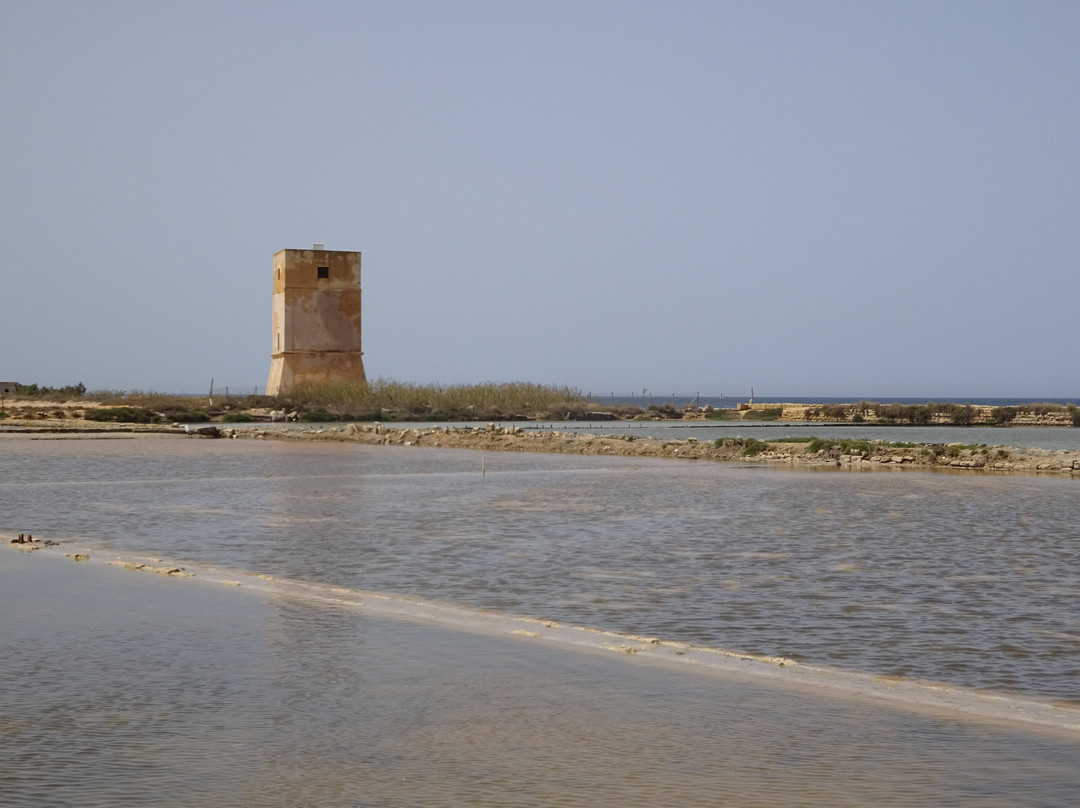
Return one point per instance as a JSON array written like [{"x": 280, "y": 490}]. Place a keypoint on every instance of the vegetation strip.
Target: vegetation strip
[
  {"x": 72, "y": 409},
  {"x": 386, "y": 401},
  {"x": 817, "y": 452}
]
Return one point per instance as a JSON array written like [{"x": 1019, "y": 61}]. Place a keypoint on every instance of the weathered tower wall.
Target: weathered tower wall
[{"x": 316, "y": 318}]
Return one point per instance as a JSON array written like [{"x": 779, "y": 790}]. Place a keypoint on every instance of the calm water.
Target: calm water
[
  {"x": 126, "y": 688},
  {"x": 961, "y": 579}
]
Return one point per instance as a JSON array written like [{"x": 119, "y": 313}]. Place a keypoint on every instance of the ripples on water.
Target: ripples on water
[
  {"x": 966, "y": 579},
  {"x": 125, "y": 689}
]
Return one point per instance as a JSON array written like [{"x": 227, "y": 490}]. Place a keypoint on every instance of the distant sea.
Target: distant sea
[{"x": 731, "y": 401}]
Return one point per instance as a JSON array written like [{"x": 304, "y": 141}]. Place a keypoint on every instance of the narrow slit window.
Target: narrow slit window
[{"x": 324, "y": 272}]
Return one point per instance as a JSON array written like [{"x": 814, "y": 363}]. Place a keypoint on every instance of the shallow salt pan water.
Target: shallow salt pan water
[
  {"x": 125, "y": 688},
  {"x": 969, "y": 580}
]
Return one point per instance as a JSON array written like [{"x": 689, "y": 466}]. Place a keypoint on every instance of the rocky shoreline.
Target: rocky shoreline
[
  {"x": 848, "y": 454},
  {"x": 843, "y": 454}
]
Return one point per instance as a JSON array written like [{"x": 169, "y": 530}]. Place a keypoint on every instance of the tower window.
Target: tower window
[{"x": 324, "y": 272}]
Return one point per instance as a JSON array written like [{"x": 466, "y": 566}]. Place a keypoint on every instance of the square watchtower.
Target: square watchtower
[{"x": 316, "y": 318}]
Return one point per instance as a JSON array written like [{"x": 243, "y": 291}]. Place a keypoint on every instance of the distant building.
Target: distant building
[
  {"x": 316, "y": 318},
  {"x": 8, "y": 388}
]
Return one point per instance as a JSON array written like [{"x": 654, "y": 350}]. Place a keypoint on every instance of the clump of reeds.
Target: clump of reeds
[{"x": 405, "y": 401}]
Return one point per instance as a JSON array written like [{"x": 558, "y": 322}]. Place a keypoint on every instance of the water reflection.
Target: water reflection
[
  {"x": 149, "y": 691},
  {"x": 971, "y": 580}
]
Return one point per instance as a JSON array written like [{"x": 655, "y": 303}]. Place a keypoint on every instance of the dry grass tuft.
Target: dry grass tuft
[{"x": 490, "y": 400}]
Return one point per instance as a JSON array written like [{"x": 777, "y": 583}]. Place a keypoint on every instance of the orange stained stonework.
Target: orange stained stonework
[{"x": 316, "y": 319}]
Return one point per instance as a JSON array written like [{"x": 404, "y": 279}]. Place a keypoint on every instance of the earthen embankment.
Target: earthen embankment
[
  {"x": 848, "y": 454},
  {"x": 853, "y": 455}
]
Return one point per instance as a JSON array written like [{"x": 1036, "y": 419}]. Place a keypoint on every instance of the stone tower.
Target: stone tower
[{"x": 316, "y": 318}]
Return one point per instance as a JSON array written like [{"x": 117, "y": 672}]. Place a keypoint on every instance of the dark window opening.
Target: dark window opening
[{"x": 324, "y": 272}]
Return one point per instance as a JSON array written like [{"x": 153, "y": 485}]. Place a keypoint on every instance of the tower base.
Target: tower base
[{"x": 291, "y": 368}]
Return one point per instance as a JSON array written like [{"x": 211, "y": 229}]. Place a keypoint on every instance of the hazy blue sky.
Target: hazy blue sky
[{"x": 810, "y": 198}]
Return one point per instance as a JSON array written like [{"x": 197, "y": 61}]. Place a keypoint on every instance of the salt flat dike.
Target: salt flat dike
[
  {"x": 847, "y": 454},
  {"x": 851, "y": 454}
]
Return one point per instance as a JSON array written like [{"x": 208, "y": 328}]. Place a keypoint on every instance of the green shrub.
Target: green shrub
[
  {"x": 1042, "y": 408},
  {"x": 835, "y": 412},
  {"x": 753, "y": 447},
  {"x": 50, "y": 393},
  {"x": 962, "y": 415},
  {"x": 188, "y": 417},
  {"x": 844, "y": 446},
  {"x": 666, "y": 410},
  {"x": 722, "y": 415},
  {"x": 817, "y": 444},
  {"x": 127, "y": 415},
  {"x": 324, "y": 417},
  {"x": 1004, "y": 415}
]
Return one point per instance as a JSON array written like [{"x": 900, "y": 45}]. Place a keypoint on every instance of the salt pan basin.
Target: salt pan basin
[{"x": 127, "y": 688}]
